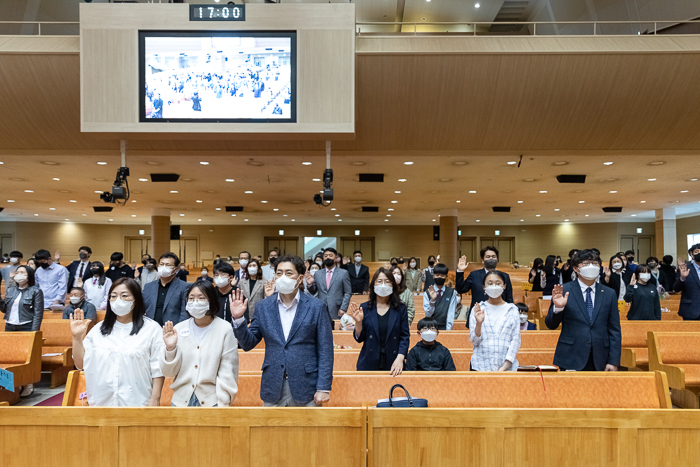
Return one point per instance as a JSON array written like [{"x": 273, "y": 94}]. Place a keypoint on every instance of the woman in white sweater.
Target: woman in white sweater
[{"x": 201, "y": 353}]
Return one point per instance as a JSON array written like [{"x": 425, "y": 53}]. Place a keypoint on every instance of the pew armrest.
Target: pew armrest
[
  {"x": 674, "y": 374},
  {"x": 628, "y": 359}
]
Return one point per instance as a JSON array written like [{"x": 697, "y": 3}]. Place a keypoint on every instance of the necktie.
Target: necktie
[
  {"x": 328, "y": 280},
  {"x": 439, "y": 295},
  {"x": 589, "y": 304},
  {"x": 82, "y": 265}
]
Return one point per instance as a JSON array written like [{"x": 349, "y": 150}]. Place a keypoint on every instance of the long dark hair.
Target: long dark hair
[
  {"x": 549, "y": 264},
  {"x": 617, "y": 256},
  {"x": 402, "y": 284},
  {"x": 30, "y": 277},
  {"x": 537, "y": 264},
  {"x": 101, "y": 272},
  {"x": 412, "y": 258},
  {"x": 259, "y": 275},
  {"x": 394, "y": 299},
  {"x": 138, "y": 311}
]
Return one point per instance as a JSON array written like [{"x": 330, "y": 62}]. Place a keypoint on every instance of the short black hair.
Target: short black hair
[
  {"x": 440, "y": 268},
  {"x": 79, "y": 289},
  {"x": 652, "y": 258},
  {"x": 667, "y": 259},
  {"x": 210, "y": 291},
  {"x": 500, "y": 276},
  {"x": 151, "y": 260},
  {"x": 332, "y": 250},
  {"x": 42, "y": 254},
  {"x": 393, "y": 258},
  {"x": 30, "y": 276},
  {"x": 640, "y": 269},
  {"x": 225, "y": 268},
  {"x": 432, "y": 256},
  {"x": 86, "y": 248},
  {"x": 356, "y": 252},
  {"x": 573, "y": 252},
  {"x": 295, "y": 260},
  {"x": 489, "y": 248},
  {"x": 694, "y": 247},
  {"x": 116, "y": 256},
  {"x": 18, "y": 254},
  {"x": 172, "y": 255},
  {"x": 522, "y": 308},
  {"x": 596, "y": 250},
  {"x": 244, "y": 253},
  {"x": 275, "y": 250},
  {"x": 585, "y": 255},
  {"x": 145, "y": 254},
  {"x": 629, "y": 252},
  {"x": 427, "y": 323}
]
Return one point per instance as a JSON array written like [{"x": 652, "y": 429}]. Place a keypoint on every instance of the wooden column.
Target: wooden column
[
  {"x": 449, "y": 247},
  {"x": 160, "y": 231}
]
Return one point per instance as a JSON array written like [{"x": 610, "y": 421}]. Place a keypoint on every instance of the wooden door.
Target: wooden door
[
  {"x": 506, "y": 249},
  {"x": 367, "y": 249},
  {"x": 645, "y": 248},
  {"x": 134, "y": 250},
  {"x": 190, "y": 251},
  {"x": 627, "y": 243},
  {"x": 291, "y": 246},
  {"x": 5, "y": 244},
  {"x": 467, "y": 247}
]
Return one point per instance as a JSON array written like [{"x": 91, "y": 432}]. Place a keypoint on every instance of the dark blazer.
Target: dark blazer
[
  {"x": 31, "y": 305},
  {"x": 689, "y": 308},
  {"x": 579, "y": 336},
  {"x": 207, "y": 279},
  {"x": 614, "y": 282},
  {"x": 73, "y": 270},
  {"x": 358, "y": 283},
  {"x": 307, "y": 355},
  {"x": 87, "y": 307},
  {"x": 175, "y": 308},
  {"x": 475, "y": 284},
  {"x": 398, "y": 336},
  {"x": 237, "y": 275},
  {"x": 531, "y": 326},
  {"x": 182, "y": 274}
]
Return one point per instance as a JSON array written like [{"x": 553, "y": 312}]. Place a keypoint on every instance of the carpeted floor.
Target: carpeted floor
[{"x": 53, "y": 401}]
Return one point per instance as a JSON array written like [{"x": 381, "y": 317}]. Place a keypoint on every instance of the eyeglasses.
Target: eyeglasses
[
  {"x": 125, "y": 296},
  {"x": 383, "y": 282},
  {"x": 198, "y": 299},
  {"x": 590, "y": 263}
]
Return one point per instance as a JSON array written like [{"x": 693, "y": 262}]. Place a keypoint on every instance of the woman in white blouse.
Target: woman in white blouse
[
  {"x": 97, "y": 287},
  {"x": 120, "y": 355},
  {"x": 494, "y": 329},
  {"x": 201, "y": 353}
]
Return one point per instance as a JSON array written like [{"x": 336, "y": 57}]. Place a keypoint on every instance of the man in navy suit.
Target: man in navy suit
[
  {"x": 166, "y": 298},
  {"x": 475, "y": 280},
  {"x": 359, "y": 274},
  {"x": 243, "y": 260},
  {"x": 688, "y": 283},
  {"x": 79, "y": 269},
  {"x": 590, "y": 338},
  {"x": 298, "y": 366}
]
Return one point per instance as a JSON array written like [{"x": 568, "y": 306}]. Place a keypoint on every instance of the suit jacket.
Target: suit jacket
[
  {"x": 428, "y": 279},
  {"x": 398, "y": 337},
  {"x": 73, "y": 271},
  {"x": 237, "y": 275},
  {"x": 690, "y": 293},
  {"x": 337, "y": 297},
  {"x": 475, "y": 284},
  {"x": 306, "y": 355},
  {"x": 580, "y": 336},
  {"x": 358, "y": 282},
  {"x": 175, "y": 307},
  {"x": 258, "y": 293}
]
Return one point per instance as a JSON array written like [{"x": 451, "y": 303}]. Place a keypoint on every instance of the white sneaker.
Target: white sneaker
[{"x": 27, "y": 390}]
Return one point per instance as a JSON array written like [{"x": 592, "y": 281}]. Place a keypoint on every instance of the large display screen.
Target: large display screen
[{"x": 217, "y": 76}]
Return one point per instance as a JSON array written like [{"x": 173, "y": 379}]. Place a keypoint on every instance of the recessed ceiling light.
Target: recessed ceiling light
[
  {"x": 133, "y": 215},
  {"x": 528, "y": 180},
  {"x": 245, "y": 220},
  {"x": 50, "y": 163},
  {"x": 133, "y": 200},
  {"x": 315, "y": 179},
  {"x": 306, "y": 163},
  {"x": 264, "y": 202},
  {"x": 386, "y": 220},
  {"x": 36, "y": 214},
  {"x": 72, "y": 201},
  {"x": 543, "y": 191},
  {"x": 218, "y": 209},
  {"x": 84, "y": 215},
  {"x": 607, "y": 163},
  {"x": 537, "y": 215},
  {"x": 66, "y": 219},
  {"x": 57, "y": 179},
  {"x": 408, "y": 163},
  {"x": 394, "y": 202},
  {"x": 390, "y": 209},
  {"x": 581, "y": 202},
  {"x": 397, "y": 192},
  {"x": 478, "y": 220},
  {"x": 185, "y": 179},
  {"x": 477, "y": 5},
  {"x": 233, "y": 215},
  {"x": 651, "y": 179},
  {"x": 28, "y": 191},
  {"x": 634, "y": 215},
  {"x": 472, "y": 191},
  {"x": 16, "y": 179},
  {"x": 199, "y": 200},
  {"x": 512, "y": 162},
  {"x": 182, "y": 215},
  {"x": 153, "y": 163},
  {"x": 566, "y": 220},
  {"x": 143, "y": 179},
  {"x": 248, "y": 192},
  {"x": 522, "y": 220},
  {"x": 560, "y": 163},
  {"x": 520, "y": 202},
  {"x": 101, "y": 163},
  {"x": 229, "y": 179},
  {"x": 52, "y": 209},
  {"x": 657, "y": 163},
  {"x": 684, "y": 191},
  {"x": 337, "y": 215},
  {"x": 458, "y": 201},
  {"x": 556, "y": 209},
  {"x": 459, "y": 163},
  {"x": 111, "y": 220},
  {"x": 276, "y": 209},
  {"x": 98, "y": 191},
  {"x": 284, "y": 215},
  {"x": 586, "y": 215},
  {"x": 199, "y": 220},
  {"x": 642, "y": 201},
  {"x": 173, "y": 191},
  {"x": 613, "y": 191},
  {"x": 357, "y": 163},
  {"x": 10, "y": 200},
  {"x": 388, "y": 215},
  {"x": 608, "y": 180},
  {"x": 444, "y": 180},
  {"x": 204, "y": 163},
  {"x": 692, "y": 180}
]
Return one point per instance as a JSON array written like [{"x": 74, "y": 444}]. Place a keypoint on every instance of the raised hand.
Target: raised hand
[
  {"x": 309, "y": 277},
  {"x": 432, "y": 293},
  {"x": 269, "y": 288},
  {"x": 57, "y": 256},
  {"x": 606, "y": 270},
  {"x": 356, "y": 312},
  {"x": 133, "y": 265},
  {"x": 169, "y": 336},
  {"x": 238, "y": 304},
  {"x": 479, "y": 314},
  {"x": 558, "y": 297},
  {"x": 684, "y": 270},
  {"x": 79, "y": 281},
  {"x": 79, "y": 325},
  {"x": 633, "y": 279},
  {"x": 136, "y": 273},
  {"x": 234, "y": 281},
  {"x": 463, "y": 264}
]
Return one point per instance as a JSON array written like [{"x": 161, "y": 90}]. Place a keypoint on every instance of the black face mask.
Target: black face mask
[
  {"x": 431, "y": 263},
  {"x": 393, "y": 265},
  {"x": 83, "y": 256},
  {"x": 696, "y": 257},
  {"x": 491, "y": 263},
  {"x": 652, "y": 265},
  {"x": 44, "y": 265},
  {"x": 439, "y": 281},
  {"x": 328, "y": 262},
  {"x": 630, "y": 259},
  {"x": 94, "y": 271},
  {"x": 400, "y": 261}
]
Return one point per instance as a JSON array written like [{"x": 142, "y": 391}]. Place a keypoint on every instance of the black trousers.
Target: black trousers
[
  {"x": 590, "y": 365},
  {"x": 18, "y": 328}
]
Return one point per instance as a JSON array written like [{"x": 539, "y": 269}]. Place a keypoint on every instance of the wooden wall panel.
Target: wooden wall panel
[
  {"x": 435, "y": 447},
  {"x": 158, "y": 445}
]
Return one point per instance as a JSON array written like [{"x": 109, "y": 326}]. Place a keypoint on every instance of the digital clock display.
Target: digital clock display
[{"x": 217, "y": 13}]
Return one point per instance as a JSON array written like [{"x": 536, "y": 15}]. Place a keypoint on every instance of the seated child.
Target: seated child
[
  {"x": 525, "y": 325},
  {"x": 429, "y": 355}
]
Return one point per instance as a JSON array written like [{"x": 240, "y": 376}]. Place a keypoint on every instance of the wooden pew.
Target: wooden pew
[
  {"x": 20, "y": 354},
  {"x": 57, "y": 339},
  {"x": 635, "y": 350},
  {"x": 678, "y": 355}
]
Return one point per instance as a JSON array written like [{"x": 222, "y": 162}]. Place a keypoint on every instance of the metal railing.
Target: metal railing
[
  {"x": 33, "y": 28},
  {"x": 546, "y": 28}
]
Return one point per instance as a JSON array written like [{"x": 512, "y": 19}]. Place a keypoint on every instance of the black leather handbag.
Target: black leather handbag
[{"x": 407, "y": 402}]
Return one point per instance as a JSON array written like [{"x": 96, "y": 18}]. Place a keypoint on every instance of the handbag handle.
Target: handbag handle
[{"x": 391, "y": 395}]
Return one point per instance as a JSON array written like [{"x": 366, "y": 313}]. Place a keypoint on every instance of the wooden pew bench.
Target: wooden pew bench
[
  {"x": 678, "y": 355},
  {"x": 20, "y": 354},
  {"x": 58, "y": 339},
  {"x": 635, "y": 350}
]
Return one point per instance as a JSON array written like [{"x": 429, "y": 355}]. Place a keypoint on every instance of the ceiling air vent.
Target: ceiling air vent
[
  {"x": 571, "y": 179},
  {"x": 234, "y": 208},
  {"x": 370, "y": 208},
  {"x": 103, "y": 208},
  {"x": 164, "y": 177},
  {"x": 372, "y": 178},
  {"x": 501, "y": 209},
  {"x": 612, "y": 209}
]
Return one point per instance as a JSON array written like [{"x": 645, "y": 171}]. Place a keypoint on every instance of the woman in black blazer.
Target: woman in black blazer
[{"x": 382, "y": 324}]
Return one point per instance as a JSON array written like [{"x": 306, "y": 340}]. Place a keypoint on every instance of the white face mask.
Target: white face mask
[
  {"x": 617, "y": 266},
  {"x": 20, "y": 278},
  {"x": 252, "y": 271},
  {"x": 645, "y": 276},
  {"x": 523, "y": 319},
  {"x": 121, "y": 307},
  {"x": 76, "y": 300},
  {"x": 413, "y": 264},
  {"x": 383, "y": 290},
  {"x": 428, "y": 336},
  {"x": 313, "y": 270},
  {"x": 13, "y": 260},
  {"x": 204, "y": 273},
  {"x": 590, "y": 272},
  {"x": 358, "y": 259},
  {"x": 243, "y": 262},
  {"x": 286, "y": 285},
  {"x": 165, "y": 271},
  {"x": 319, "y": 262},
  {"x": 198, "y": 308},
  {"x": 397, "y": 278},
  {"x": 494, "y": 291},
  {"x": 221, "y": 281}
]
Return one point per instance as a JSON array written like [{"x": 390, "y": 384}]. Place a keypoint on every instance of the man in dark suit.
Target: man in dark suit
[
  {"x": 166, "y": 298},
  {"x": 298, "y": 368},
  {"x": 79, "y": 269},
  {"x": 475, "y": 281},
  {"x": 359, "y": 274},
  {"x": 332, "y": 284},
  {"x": 688, "y": 284},
  {"x": 243, "y": 260},
  {"x": 590, "y": 337},
  {"x": 428, "y": 278}
]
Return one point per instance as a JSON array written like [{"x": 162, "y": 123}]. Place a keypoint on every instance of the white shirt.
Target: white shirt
[
  {"x": 119, "y": 367},
  {"x": 84, "y": 265},
  {"x": 14, "y": 312},
  {"x": 584, "y": 287},
  {"x": 97, "y": 294},
  {"x": 198, "y": 333},
  {"x": 287, "y": 313}
]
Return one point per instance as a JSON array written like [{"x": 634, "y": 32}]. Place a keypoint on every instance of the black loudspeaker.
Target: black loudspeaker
[
  {"x": 436, "y": 232},
  {"x": 174, "y": 232}
]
